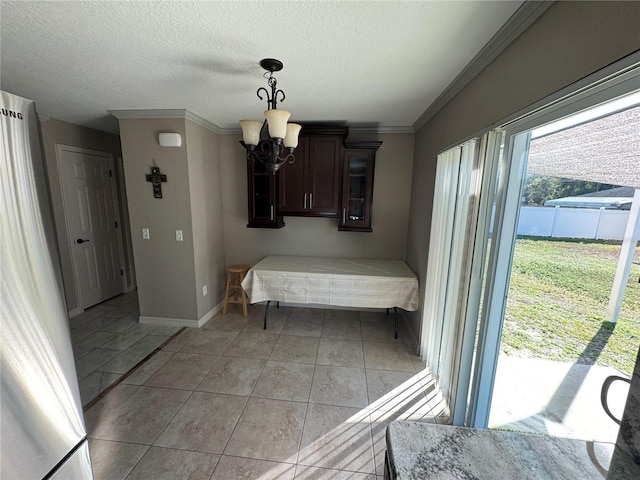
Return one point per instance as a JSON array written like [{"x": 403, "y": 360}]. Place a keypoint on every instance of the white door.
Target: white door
[{"x": 88, "y": 188}]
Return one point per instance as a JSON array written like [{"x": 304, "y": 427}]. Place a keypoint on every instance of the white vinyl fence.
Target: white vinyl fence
[{"x": 567, "y": 222}]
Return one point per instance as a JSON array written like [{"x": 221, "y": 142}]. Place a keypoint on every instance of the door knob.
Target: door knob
[{"x": 81, "y": 240}]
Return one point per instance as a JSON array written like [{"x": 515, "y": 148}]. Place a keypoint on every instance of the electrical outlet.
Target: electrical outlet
[
  {"x": 204, "y": 291},
  {"x": 178, "y": 235},
  {"x": 145, "y": 234}
]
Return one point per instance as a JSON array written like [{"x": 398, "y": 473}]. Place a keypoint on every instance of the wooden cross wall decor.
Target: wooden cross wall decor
[{"x": 156, "y": 179}]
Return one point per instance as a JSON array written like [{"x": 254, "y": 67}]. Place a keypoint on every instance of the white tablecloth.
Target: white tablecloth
[{"x": 339, "y": 282}]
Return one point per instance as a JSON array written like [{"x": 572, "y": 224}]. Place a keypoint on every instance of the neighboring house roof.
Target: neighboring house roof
[
  {"x": 615, "y": 203},
  {"x": 606, "y": 150},
  {"x": 618, "y": 198},
  {"x": 612, "y": 192}
]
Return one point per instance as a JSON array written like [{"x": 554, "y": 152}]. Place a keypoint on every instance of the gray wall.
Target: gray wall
[
  {"x": 165, "y": 268},
  {"x": 568, "y": 42},
  {"x": 54, "y": 132},
  {"x": 171, "y": 274},
  {"x": 206, "y": 211},
  {"x": 320, "y": 236}
]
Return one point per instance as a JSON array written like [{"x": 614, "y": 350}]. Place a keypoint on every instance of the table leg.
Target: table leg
[
  {"x": 266, "y": 310},
  {"x": 395, "y": 314}
]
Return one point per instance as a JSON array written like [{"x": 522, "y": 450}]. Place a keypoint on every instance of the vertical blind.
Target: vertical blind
[{"x": 459, "y": 179}]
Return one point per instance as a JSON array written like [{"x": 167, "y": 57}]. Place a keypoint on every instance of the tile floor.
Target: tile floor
[
  {"x": 108, "y": 341},
  {"x": 309, "y": 398}
]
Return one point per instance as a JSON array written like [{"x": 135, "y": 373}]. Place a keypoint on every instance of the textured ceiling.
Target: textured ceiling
[{"x": 371, "y": 63}]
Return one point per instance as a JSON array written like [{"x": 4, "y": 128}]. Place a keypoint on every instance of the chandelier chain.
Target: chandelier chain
[{"x": 272, "y": 100}]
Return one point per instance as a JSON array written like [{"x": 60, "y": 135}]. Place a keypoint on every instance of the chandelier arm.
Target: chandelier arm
[
  {"x": 267, "y": 94},
  {"x": 275, "y": 97},
  {"x": 273, "y": 157}
]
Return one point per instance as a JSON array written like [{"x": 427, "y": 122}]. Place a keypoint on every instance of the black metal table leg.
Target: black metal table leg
[
  {"x": 395, "y": 314},
  {"x": 266, "y": 310},
  {"x": 277, "y": 304}
]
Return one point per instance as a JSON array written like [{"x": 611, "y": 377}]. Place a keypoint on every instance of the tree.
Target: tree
[{"x": 540, "y": 188}]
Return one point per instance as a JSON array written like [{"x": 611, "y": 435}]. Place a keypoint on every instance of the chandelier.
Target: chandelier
[{"x": 273, "y": 141}]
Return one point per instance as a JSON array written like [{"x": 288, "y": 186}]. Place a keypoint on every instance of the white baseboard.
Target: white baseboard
[
  {"x": 181, "y": 322},
  {"x": 75, "y": 312},
  {"x": 168, "y": 321},
  {"x": 211, "y": 313}
]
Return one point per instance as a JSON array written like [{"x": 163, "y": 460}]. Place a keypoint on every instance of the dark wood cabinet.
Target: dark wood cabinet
[
  {"x": 310, "y": 187},
  {"x": 263, "y": 197},
  {"x": 292, "y": 188},
  {"x": 329, "y": 178},
  {"x": 357, "y": 186}
]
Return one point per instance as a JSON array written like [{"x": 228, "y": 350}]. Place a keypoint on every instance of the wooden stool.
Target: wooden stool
[{"x": 234, "y": 292}]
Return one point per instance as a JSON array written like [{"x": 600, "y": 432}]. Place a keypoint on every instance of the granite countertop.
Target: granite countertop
[{"x": 427, "y": 451}]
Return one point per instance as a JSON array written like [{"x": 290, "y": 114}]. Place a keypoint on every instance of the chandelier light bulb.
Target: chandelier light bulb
[
  {"x": 251, "y": 131},
  {"x": 277, "y": 122},
  {"x": 291, "y": 139}
]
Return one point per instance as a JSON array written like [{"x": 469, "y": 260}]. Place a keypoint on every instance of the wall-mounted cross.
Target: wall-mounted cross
[{"x": 156, "y": 179}]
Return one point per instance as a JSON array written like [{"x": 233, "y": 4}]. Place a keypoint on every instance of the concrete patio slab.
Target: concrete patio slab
[{"x": 555, "y": 398}]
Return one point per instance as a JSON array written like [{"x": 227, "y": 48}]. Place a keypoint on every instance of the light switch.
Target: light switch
[
  {"x": 178, "y": 235},
  {"x": 145, "y": 234},
  {"x": 205, "y": 290}
]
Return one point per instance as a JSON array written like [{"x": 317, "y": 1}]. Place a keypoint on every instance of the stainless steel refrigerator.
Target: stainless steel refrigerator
[{"x": 42, "y": 432}]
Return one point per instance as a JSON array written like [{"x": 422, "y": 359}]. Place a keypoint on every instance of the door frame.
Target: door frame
[
  {"x": 60, "y": 148},
  {"x": 125, "y": 238}
]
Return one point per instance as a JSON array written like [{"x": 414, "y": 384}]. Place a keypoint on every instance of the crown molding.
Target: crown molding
[
  {"x": 231, "y": 131},
  {"x": 188, "y": 115},
  {"x": 373, "y": 130},
  {"x": 168, "y": 113},
  {"x": 522, "y": 19},
  {"x": 352, "y": 130}
]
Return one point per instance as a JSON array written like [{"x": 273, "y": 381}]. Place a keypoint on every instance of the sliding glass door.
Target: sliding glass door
[
  {"x": 475, "y": 216},
  {"x": 473, "y": 410}
]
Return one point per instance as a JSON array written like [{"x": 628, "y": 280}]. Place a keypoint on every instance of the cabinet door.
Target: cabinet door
[
  {"x": 357, "y": 190},
  {"x": 323, "y": 175},
  {"x": 262, "y": 188},
  {"x": 293, "y": 194}
]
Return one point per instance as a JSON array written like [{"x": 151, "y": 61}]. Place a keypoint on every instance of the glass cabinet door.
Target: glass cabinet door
[
  {"x": 357, "y": 187},
  {"x": 262, "y": 202}
]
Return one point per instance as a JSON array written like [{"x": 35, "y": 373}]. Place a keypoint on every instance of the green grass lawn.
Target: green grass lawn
[{"x": 557, "y": 304}]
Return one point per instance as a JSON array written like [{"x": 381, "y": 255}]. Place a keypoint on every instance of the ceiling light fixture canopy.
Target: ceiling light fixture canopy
[{"x": 273, "y": 141}]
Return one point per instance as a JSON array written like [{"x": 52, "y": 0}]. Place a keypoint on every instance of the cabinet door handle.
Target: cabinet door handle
[
  {"x": 344, "y": 215},
  {"x": 310, "y": 201},
  {"x": 305, "y": 201},
  {"x": 271, "y": 213}
]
